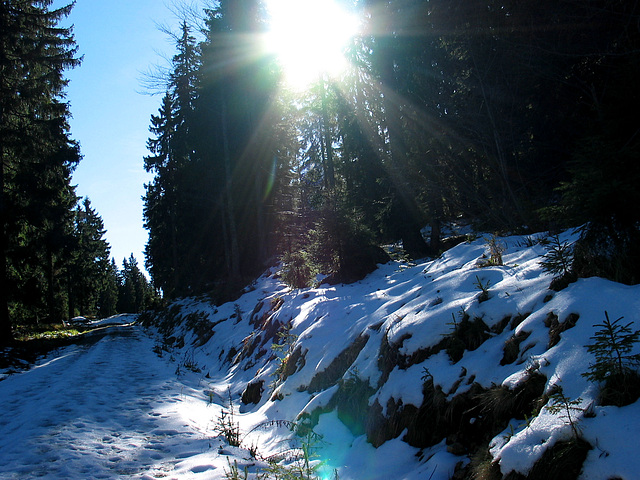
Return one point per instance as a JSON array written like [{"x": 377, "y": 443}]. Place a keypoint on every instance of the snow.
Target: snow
[{"x": 122, "y": 403}]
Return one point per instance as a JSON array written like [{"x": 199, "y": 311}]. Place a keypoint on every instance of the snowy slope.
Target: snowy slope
[
  {"x": 405, "y": 375},
  {"x": 384, "y": 332}
]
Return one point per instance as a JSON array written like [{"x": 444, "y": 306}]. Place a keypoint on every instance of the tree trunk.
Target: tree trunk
[
  {"x": 329, "y": 171},
  {"x": 234, "y": 254},
  {"x": 51, "y": 296},
  {"x": 6, "y": 332},
  {"x": 397, "y": 168}
]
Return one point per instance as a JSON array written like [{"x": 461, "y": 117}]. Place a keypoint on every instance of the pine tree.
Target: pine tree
[
  {"x": 108, "y": 293},
  {"x": 169, "y": 201},
  {"x": 160, "y": 204},
  {"x": 89, "y": 268},
  {"x": 33, "y": 138},
  {"x": 134, "y": 290}
]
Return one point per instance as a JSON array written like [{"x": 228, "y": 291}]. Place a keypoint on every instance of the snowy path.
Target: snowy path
[{"x": 108, "y": 408}]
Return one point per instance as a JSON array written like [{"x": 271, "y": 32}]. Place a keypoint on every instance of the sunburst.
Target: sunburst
[{"x": 309, "y": 37}]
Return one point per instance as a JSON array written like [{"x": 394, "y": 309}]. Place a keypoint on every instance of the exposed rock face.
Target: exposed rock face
[{"x": 253, "y": 393}]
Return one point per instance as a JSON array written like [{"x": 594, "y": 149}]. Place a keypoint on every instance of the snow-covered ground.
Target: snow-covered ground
[
  {"x": 135, "y": 402},
  {"x": 107, "y": 408}
]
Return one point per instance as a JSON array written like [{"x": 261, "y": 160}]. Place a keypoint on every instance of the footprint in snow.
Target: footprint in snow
[{"x": 202, "y": 468}]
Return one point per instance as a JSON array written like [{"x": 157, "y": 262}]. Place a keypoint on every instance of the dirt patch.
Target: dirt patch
[
  {"x": 511, "y": 349},
  {"x": 556, "y": 328}
]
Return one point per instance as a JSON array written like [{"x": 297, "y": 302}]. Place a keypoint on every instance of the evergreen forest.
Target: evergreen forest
[
  {"x": 513, "y": 116},
  {"x": 54, "y": 262}
]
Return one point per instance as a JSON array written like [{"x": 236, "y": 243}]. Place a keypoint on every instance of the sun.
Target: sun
[{"x": 309, "y": 38}]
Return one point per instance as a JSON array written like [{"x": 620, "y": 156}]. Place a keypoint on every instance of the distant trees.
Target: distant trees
[
  {"x": 54, "y": 261},
  {"x": 135, "y": 293},
  {"x": 88, "y": 268}
]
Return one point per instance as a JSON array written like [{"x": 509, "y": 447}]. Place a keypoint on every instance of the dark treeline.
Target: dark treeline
[
  {"x": 517, "y": 116},
  {"x": 54, "y": 261}
]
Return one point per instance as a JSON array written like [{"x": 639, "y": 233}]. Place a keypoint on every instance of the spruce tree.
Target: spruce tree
[
  {"x": 135, "y": 294},
  {"x": 34, "y": 52},
  {"x": 108, "y": 293},
  {"x": 171, "y": 211},
  {"x": 89, "y": 267},
  {"x": 160, "y": 215}
]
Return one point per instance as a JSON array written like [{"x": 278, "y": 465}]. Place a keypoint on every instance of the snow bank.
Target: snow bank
[{"x": 411, "y": 359}]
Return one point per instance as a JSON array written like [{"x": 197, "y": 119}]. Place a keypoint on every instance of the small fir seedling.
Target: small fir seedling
[
  {"x": 227, "y": 425},
  {"x": 559, "y": 258},
  {"x": 567, "y": 409},
  {"x": 283, "y": 350},
  {"x": 615, "y": 366},
  {"x": 484, "y": 289},
  {"x": 234, "y": 472},
  {"x": 286, "y": 341},
  {"x": 612, "y": 346}
]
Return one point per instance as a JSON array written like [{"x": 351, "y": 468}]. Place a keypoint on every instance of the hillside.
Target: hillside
[{"x": 411, "y": 373}]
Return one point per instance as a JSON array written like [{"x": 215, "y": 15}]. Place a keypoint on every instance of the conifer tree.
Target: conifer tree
[
  {"x": 89, "y": 267},
  {"x": 34, "y": 52},
  {"x": 169, "y": 200},
  {"x": 135, "y": 294},
  {"x": 108, "y": 293}
]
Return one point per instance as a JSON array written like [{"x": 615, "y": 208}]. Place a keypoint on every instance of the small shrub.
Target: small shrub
[
  {"x": 227, "y": 425},
  {"x": 234, "y": 472},
  {"x": 558, "y": 261},
  {"x": 496, "y": 250},
  {"x": 531, "y": 241},
  {"x": 567, "y": 409},
  {"x": 484, "y": 289},
  {"x": 283, "y": 350},
  {"x": 189, "y": 362},
  {"x": 615, "y": 366},
  {"x": 297, "y": 464},
  {"x": 299, "y": 269}
]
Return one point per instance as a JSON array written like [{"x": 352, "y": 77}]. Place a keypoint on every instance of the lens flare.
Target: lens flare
[{"x": 309, "y": 37}]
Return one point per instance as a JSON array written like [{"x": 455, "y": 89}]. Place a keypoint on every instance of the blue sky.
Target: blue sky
[{"x": 120, "y": 40}]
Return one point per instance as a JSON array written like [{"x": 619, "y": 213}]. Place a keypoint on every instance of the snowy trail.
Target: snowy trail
[{"x": 107, "y": 408}]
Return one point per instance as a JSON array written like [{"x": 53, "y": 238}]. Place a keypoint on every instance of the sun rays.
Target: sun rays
[{"x": 309, "y": 38}]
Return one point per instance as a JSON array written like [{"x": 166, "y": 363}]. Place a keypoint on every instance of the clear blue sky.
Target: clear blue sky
[{"x": 119, "y": 40}]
